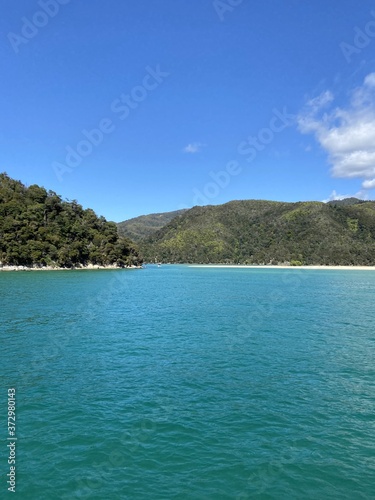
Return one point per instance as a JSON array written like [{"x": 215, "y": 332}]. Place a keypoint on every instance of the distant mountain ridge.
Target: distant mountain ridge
[
  {"x": 38, "y": 228},
  {"x": 346, "y": 202},
  {"x": 143, "y": 226},
  {"x": 262, "y": 232}
]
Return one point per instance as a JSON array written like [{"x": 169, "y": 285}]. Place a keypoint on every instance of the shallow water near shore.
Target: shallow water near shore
[{"x": 190, "y": 383}]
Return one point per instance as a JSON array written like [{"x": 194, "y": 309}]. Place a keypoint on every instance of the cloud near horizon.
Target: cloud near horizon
[
  {"x": 362, "y": 195},
  {"x": 346, "y": 134},
  {"x": 193, "y": 147}
]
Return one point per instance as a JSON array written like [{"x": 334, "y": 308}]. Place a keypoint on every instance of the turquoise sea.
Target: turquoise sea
[{"x": 189, "y": 383}]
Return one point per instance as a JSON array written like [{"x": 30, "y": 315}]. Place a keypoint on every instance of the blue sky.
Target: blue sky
[{"x": 154, "y": 105}]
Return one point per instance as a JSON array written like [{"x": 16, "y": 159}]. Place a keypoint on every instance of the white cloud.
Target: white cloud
[
  {"x": 361, "y": 195},
  {"x": 194, "y": 147},
  {"x": 369, "y": 184},
  {"x": 321, "y": 101},
  {"x": 370, "y": 80},
  {"x": 335, "y": 196},
  {"x": 347, "y": 134}
]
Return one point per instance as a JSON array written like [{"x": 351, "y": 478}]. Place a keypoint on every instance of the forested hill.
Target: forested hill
[
  {"x": 144, "y": 225},
  {"x": 262, "y": 232},
  {"x": 39, "y": 228}
]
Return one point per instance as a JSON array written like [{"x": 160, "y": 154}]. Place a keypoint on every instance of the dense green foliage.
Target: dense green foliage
[
  {"x": 263, "y": 232},
  {"x": 140, "y": 227},
  {"x": 39, "y": 228}
]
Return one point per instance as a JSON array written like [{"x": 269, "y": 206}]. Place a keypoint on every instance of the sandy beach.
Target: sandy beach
[{"x": 327, "y": 268}]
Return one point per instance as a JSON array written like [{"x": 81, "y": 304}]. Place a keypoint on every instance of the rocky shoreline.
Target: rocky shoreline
[{"x": 89, "y": 267}]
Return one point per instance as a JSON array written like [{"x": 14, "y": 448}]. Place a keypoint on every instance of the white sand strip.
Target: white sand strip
[{"x": 327, "y": 268}]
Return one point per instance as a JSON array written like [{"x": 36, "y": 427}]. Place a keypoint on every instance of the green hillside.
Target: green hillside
[
  {"x": 262, "y": 232},
  {"x": 143, "y": 226},
  {"x": 38, "y": 228}
]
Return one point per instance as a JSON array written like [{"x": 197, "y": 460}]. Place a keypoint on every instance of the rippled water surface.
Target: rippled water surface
[{"x": 190, "y": 383}]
